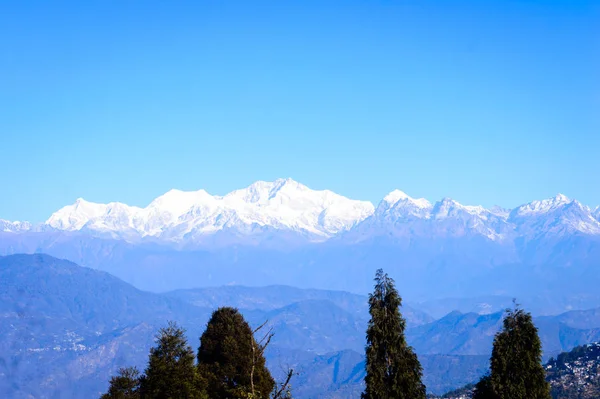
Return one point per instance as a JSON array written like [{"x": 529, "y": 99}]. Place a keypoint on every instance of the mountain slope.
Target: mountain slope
[
  {"x": 289, "y": 211},
  {"x": 572, "y": 375},
  {"x": 473, "y": 334},
  {"x": 283, "y": 232},
  {"x": 277, "y": 297},
  {"x": 67, "y": 328},
  {"x": 187, "y": 216},
  {"x": 575, "y": 374},
  {"x": 64, "y": 325}
]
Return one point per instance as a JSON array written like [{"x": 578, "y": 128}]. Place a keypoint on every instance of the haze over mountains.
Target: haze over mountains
[
  {"x": 544, "y": 252},
  {"x": 67, "y": 328}
]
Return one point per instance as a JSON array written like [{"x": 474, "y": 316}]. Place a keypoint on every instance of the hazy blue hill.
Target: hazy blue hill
[
  {"x": 316, "y": 326},
  {"x": 456, "y": 333},
  {"x": 589, "y": 318},
  {"x": 445, "y": 372},
  {"x": 340, "y": 374},
  {"x": 472, "y": 334},
  {"x": 67, "y": 328},
  {"x": 426, "y": 268},
  {"x": 43, "y": 285},
  {"x": 268, "y": 297},
  {"x": 278, "y": 296},
  {"x": 438, "y": 308},
  {"x": 343, "y": 372}
]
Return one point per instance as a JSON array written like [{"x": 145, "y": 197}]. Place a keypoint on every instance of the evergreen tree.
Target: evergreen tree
[
  {"x": 171, "y": 373},
  {"x": 484, "y": 389},
  {"x": 231, "y": 360},
  {"x": 516, "y": 362},
  {"x": 126, "y": 385},
  {"x": 393, "y": 370}
]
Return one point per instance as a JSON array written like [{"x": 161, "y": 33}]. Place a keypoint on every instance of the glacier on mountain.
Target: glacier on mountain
[
  {"x": 177, "y": 215},
  {"x": 265, "y": 210}
]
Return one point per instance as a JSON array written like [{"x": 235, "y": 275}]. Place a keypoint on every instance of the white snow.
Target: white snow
[
  {"x": 74, "y": 217},
  {"x": 286, "y": 205},
  {"x": 397, "y": 196},
  {"x": 543, "y": 206},
  {"x": 283, "y": 203},
  {"x": 14, "y": 227}
]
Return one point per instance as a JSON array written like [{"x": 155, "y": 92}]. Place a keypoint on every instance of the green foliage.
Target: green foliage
[
  {"x": 231, "y": 360},
  {"x": 393, "y": 370},
  {"x": 171, "y": 373},
  {"x": 516, "y": 362},
  {"x": 125, "y": 385},
  {"x": 484, "y": 389}
]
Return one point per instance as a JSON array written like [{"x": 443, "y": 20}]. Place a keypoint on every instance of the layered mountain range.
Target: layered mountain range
[
  {"x": 544, "y": 252},
  {"x": 286, "y": 208},
  {"x": 66, "y": 329}
]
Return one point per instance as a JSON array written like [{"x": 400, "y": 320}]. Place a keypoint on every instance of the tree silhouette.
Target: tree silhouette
[{"x": 393, "y": 369}]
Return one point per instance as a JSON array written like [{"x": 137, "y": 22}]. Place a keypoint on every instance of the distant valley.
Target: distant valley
[{"x": 67, "y": 328}]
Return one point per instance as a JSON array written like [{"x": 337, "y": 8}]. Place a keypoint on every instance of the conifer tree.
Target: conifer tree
[
  {"x": 171, "y": 373},
  {"x": 125, "y": 385},
  {"x": 484, "y": 389},
  {"x": 516, "y": 363},
  {"x": 393, "y": 369},
  {"x": 231, "y": 360}
]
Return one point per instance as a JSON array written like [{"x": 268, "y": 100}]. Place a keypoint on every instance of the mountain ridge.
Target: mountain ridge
[{"x": 267, "y": 210}]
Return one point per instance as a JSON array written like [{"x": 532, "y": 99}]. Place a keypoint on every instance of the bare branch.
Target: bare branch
[
  {"x": 284, "y": 386},
  {"x": 261, "y": 326}
]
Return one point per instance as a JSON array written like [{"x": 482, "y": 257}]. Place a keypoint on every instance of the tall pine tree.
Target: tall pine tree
[
  {"x": 171, "y": 373},
  {"x": 484, "y": 389},
  {"x": 393, "y": 369},
  {"x": 516, "y": 362},
  {"x": 231, "y": 360}
]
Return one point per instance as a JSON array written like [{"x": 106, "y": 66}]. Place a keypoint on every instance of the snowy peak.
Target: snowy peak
[
  {"x": 557, "y": 215},
  {"x": 262, "y": 192},
  {"x": 398, "y": 204},
  {"x": 175, "y": 215},
  {"x": 395, "y": 196},
  {"x": 289, "y": 204},
  {"x": 448, "y": 207},
  {"x": 74, "y": 217},
  {"x": 543, "y": 206},
  {"x": 500, "y": 211},
  {"x": 286, "y": 208},
  {"x": 175, "y": 203}
]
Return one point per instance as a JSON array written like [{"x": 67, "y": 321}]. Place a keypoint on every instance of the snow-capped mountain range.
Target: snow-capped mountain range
[{"x": 288, "y": 206}]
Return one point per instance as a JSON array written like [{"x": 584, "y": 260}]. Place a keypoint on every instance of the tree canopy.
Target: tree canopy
[
  {"x": 393, "y": 369},
  {"x": 125, "y": 385},
  {"x": 231, "y": 360},
  {"x": 516, "y": 362},
  {"x": 171, "y": 373}
]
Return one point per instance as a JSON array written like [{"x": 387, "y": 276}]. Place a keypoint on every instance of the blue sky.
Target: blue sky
[{"x": 494, "y": 102}]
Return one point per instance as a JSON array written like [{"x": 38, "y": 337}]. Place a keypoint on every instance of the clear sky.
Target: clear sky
[{"x": 487, "y": 102}]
